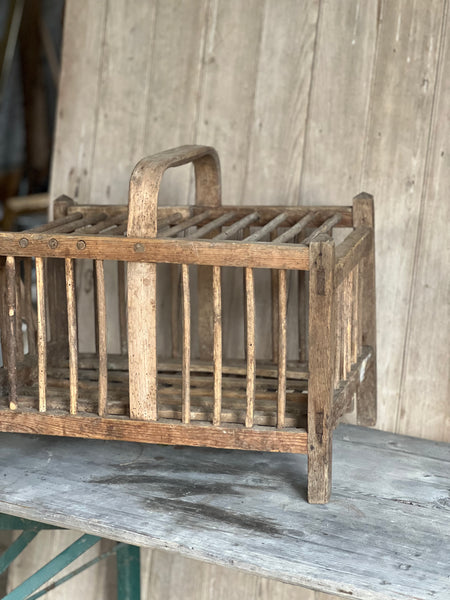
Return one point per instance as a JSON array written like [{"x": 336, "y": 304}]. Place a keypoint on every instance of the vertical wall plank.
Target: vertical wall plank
[
  {"x": 78, "y": 98},
  {"x": 340, "y": 92},
  {"x": 230, "y": 66},
  {"x": 123, "y": 98},
  {"x": 393, "y": 171},
  {"x": 424, "y": 408},
  {"x": 278, "y": 120}
]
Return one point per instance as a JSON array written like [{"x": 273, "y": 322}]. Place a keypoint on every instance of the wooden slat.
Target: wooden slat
[
  {"x": 268, "y": 227},
  {"x": 74, "y": 216},
  {"x": 339, "y": 340},
  {"x": 217, "y": 343},
  {"x": 293, "y": 213},
  {"x": 282, "y": 347},
  {"x": 74, "y": 225},
  {"x": 42, "y": 332},
  {"x": 211, "y": 226},
  {"x": 351, "y": 251},
  {"x": 303, "y": 309},
  {"x": 295, "y": 229},
  {"x": 30, "y": 317},
  {"x": 324, "y": 228},
  {"x": 274, "y": 290},
  {"x": 355, "y": 316},
  {"x": 348, "y": 301},
  {"x": 194, "y": 220},
  {"x": 122, "y": 300},
  {"x": 231, "y": 437},
  {"x": 186, "y": 368},
  {"x": 171, "y": 219},
  {"x": 363, "y": 214},
  {"x": 344, "y": 394},
  {"x": 250, "y": 345},
  {"x": 236, "y": 227},
  {"x": 174, "y": 309},
  {"x": 116, "y": 219},
  {"x": 11, "y": 337},
  {"x": 102, "y": 345},
  {"x": 134, "y": 249},
  {"x": 73, "y": 334},
  {"x": 19, "y": 310}
]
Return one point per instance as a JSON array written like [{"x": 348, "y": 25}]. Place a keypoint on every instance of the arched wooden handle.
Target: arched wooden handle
[{"x": 146, "y": 179}]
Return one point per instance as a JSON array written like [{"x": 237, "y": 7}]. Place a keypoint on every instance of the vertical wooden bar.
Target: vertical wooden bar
[
  {"x": 42, "y": 333},
  {"x": 102, "y": 349},
  {"x": 29, "y": 315},
  {"x": 174, "y": 309},
  {"x": 186, "y": 367},
  {"x": 217, "y": 344},
  {"x": 250, "y": 345},
  {"x": 322, "y": 334},
  {"x": 121, "y": 276},
  {"x": 303, "y": 302},
  {"x": 19, "y": 311},
  {"x": 338, "y": 324},
  {"x": 56, "y": 291},
  {"x": 366, "y": 403},
  {"x": 72, "y": 335},
  {"x": 274, "y": 307},
  {"x": 282, "y": 351},
  {"x": 11, "y": 321},
  {"x": 355, "y": 316},
  {"x": 346, "y": 329},
  {"x": 96, "y": 331}
]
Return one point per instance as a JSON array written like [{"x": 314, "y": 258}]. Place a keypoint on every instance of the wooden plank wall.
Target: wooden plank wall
[{"x": 307, "y": 101}]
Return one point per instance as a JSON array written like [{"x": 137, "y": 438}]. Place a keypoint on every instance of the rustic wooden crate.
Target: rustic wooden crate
[{"x": 193, "y": 397}]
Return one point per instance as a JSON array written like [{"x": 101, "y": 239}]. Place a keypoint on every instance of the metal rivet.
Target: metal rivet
[
  {"x": 139, "y": 247},
  {"x": 81, "y": 244},
  {"x": 53, "y": 243},
  {"x": 23, "y": 242}
]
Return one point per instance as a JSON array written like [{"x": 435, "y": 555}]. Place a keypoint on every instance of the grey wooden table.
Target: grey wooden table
[{"x": 384, "y": 535}]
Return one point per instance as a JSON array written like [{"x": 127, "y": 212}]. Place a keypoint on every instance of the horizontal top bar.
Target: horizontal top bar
[{"x": 157, "y": 250}]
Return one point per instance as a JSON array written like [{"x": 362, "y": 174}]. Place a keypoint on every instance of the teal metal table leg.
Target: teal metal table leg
[
  {"x": 53, "y": 567},
  {"x": 127, "y": 556},
  {"x": 128, "y": 573}
]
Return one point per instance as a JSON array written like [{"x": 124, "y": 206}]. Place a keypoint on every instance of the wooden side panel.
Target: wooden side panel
[
  {"x": 424, "y": 408},
  {"x": 393, "y": 171}
]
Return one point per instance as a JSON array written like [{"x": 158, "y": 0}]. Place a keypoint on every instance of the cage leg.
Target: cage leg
[
  {"x": 366, "y": 403},
  {"x": 322, "y": 337}
]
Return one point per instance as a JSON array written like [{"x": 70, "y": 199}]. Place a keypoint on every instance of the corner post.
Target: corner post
[
  {"x": 322, "y": 341},
  {"x": 56, "y": 292},
  {"x": 366, "y": 403}
]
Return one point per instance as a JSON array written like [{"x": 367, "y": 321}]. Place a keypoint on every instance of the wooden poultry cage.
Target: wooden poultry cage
[{"x": 192, "y": 395}]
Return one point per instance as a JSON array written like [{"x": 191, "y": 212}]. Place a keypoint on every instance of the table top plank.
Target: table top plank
[{"x": 385, "y": 535}]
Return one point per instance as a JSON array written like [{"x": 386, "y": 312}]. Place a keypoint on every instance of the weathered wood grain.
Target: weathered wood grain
[
  {"x": 425, "y": 360},
  {"x": 322, "y": 339},
  {"x": 82, "y": 60},
  {"x": 339, "y": 97},
  {"x": 393, "y": 171},
  {"x": 241, "y": 509},
  {"x": 276, "y": 125}
]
